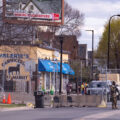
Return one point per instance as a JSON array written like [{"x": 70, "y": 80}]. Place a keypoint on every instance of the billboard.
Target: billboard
[{"x": 44, "y": 12}]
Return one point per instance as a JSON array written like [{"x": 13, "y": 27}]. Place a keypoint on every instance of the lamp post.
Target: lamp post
[
  {"x": 61, "y": 52},
  {"x": 108, "y": 51},
  {"x": 92, "y": 49}
]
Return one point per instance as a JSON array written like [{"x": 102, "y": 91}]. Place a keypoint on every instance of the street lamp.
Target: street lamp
[
  {"x": 92, "y": 49},
  {"x": 61, "y": 52},
  {"x": 108, "y": 51}
]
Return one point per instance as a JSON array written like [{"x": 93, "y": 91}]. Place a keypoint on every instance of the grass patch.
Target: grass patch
[{"x": 11, "y": 105}]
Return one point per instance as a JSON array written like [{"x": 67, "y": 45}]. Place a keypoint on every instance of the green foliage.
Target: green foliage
[
  {"x": 114, "y": 44},
  {"x": 76, "y": 66}
]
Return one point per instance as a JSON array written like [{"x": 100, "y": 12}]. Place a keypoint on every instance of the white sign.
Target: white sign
[
  {"x": 30, "y": 66},
  {"x": 53, "y": 16},
  {"x": 56, "y": 53}
]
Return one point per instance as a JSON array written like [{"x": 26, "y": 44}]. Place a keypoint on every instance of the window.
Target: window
[
  {"x": 32, "y": 7},
  {"x": 47, "y": 81}
]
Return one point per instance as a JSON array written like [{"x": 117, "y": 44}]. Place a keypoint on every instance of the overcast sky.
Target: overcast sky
[{"x": 97, "y": 13}]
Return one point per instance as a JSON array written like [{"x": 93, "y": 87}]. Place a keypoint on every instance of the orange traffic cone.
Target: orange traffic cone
[
  {"x": 9, "y": 99},
  {"x": 4, "y": 99}
]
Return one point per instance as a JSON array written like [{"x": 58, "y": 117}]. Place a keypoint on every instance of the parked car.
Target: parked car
[
  {"x": 118, "y": 86},
  {"x": 99, "y": 88}
]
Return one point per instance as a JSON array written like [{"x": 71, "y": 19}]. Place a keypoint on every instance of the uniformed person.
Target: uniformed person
[{"x": 114, "y": 92}]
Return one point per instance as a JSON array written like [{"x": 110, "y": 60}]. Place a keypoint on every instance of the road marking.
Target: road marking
[{"x": 100, "y": 115}]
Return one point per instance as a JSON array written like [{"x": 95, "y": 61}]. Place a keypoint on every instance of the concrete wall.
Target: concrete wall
[
  {"x": 58, "y": 100},
  {"x": 78, "y": 101}
]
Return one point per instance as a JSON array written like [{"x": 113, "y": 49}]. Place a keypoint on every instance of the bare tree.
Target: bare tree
[{"x": 73, "y": 21}]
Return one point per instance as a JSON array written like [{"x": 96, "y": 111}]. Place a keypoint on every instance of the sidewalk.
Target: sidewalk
[{"x": 16, "y": 109}]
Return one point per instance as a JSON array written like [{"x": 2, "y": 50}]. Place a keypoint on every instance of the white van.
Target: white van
[{"x": 99, "y": 88}]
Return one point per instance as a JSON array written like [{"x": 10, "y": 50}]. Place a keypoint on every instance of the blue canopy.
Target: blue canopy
[
  {"x": 71, "y": 72},
  {"x": 45, "y": 65},
  {"x": 49, "y": 66},
  {"x": 56, "y": 67},
  {"x": 66, "y": 69}
]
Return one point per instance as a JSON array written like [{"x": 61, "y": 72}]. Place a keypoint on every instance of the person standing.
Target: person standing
[
  {"x": 114, "y": 91},
  {"x": 82, "y": 88},
  {"x": 68, "y": 88}
]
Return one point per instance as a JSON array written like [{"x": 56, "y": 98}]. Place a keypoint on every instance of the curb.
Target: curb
[{"x": 15, "y": 109}]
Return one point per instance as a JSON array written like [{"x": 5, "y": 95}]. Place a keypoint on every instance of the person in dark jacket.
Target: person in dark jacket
[
  {"x": 114, "y": 91},
  {"x": 68, "y": 88}
]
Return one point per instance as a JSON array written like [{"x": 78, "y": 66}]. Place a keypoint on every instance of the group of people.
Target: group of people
[{"x": 81, "y": 88}]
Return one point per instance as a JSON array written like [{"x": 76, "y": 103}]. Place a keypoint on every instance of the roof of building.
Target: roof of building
[
  {"x": 47, "y": 6},
  {"x": 29, "y": 43}
]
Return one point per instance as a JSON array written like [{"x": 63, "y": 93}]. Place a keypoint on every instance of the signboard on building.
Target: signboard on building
[
  {"x": 14, "y": 64},
  {"x": 30, "y": 66},
  {"x": 44, "y": 12}
]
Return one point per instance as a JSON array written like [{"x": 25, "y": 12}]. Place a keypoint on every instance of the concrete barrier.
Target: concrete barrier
[
  {"x": 48, "y": 100},
  {"x": 56, "y": 101},
  {"x": 72, "y": 100},
  {"x": 91, "y": 100},
  {"x": 76, "y": 100},
  {"x": 81, "y": 100},
  {"x": 63, "y": 100}
]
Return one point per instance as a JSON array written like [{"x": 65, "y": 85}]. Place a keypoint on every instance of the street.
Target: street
[{"x": 67, "y": 113}]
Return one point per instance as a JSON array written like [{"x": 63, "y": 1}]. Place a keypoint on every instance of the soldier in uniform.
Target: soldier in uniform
[{"x": 114, "y": 91}]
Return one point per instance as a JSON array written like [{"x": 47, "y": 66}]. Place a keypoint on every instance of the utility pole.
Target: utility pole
[
  {"x": 92, "y": 50},
  {"x": 61, "y": 52}
]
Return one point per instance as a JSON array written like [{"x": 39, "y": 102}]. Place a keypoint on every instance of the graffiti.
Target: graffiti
[{"x": 12, "y": 69}]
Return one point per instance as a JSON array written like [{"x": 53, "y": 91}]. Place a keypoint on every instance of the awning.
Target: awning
[
  {"x": 56, "y": 67},
  {"x": 45, "y": 65},
  {"x": 66, "y": 69},
  {"x": 70, "y": 70},
  {"x": 49, "y": 66}
]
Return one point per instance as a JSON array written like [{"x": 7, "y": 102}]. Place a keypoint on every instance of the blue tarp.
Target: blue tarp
[{"x": 45, "y": 65}]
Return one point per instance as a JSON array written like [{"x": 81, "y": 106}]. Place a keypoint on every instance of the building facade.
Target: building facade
[{"x": 26, "y": 68}]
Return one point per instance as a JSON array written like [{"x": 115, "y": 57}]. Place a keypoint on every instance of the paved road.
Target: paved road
[{"x": 72, "y": 113}]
